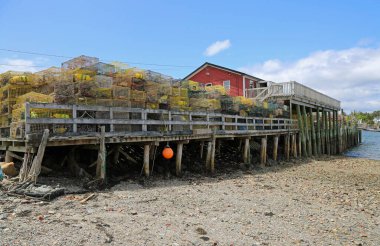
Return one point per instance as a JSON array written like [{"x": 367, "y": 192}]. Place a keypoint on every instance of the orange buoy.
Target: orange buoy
[{"x": 167, "y": 153}]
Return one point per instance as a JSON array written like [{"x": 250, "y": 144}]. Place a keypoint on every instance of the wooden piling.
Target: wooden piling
[
  {"x": 313, "y": 137},
  {"x": 308, "y": 138},
  {"x": 246, "y": 151},
  {"x": 287, "y": 147},
  {"x": 323, "y": 132},
  {"x": 178, "y": 160},
  {"x": 212, "y": 159},
  {"x": 328, "y": 134},
  {"x": 301, "y": 132},
  {"x": 208, "y": 155},
  {"x": 334, "y": 131},
  {"x": 360, "y": 136},
  {"x": 263, "y": 152},
  {"x": 294, "y": 146},
  {"x": 275, "y": 147},
  {"x": 201, "y": 151},
  {"x": 101, "y": 161},
  {"x": 146, "y": 160},
  {"x": 337, "y": 136},
  {"x": 299, "y": 146},
  {"x": 318, "y": 137}
]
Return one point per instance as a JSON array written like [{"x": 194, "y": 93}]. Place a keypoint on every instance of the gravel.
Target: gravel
[{"x": 325, "y": 201}]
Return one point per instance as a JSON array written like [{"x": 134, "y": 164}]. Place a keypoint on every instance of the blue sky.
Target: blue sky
[{"x": 307, "y": 41}]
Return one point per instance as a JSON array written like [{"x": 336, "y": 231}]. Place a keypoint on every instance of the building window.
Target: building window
[
  {"x": 251, "y": 84},
  {"x": 227, "y": 84}
]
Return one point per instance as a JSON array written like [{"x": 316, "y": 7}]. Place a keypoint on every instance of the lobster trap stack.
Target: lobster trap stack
[{"x": 87, "y": 81}]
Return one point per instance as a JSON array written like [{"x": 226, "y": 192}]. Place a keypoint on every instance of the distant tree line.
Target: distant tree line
[{"x": 365, "y": 117}]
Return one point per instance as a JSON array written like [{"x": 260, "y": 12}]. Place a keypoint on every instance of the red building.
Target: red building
[{"x": 233, "y": 81}]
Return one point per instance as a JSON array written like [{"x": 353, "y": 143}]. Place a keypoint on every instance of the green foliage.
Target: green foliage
[{"x": 365, "y": 117}]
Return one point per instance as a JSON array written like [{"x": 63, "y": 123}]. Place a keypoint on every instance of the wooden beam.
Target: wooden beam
[
  {"x": 127, "y": 156},
  {"x": 13, "y": 155}
]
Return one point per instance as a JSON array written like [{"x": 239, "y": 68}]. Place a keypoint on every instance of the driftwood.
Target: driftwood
[{"x": 88, "y": 198}]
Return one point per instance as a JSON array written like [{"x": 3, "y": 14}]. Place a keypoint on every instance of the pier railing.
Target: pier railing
[
  {"x": 295, "y": 90},
  {"x": 84, "y": 119}
]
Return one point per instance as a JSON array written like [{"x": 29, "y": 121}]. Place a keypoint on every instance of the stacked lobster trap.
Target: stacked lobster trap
[{"x": 87, "y": 81}]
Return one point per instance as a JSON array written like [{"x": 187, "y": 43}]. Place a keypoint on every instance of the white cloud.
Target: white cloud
[
  {"x": 351, "y": 75},
  {"x": 17, "y": 65},
  {"x": 217, "y": 47}
]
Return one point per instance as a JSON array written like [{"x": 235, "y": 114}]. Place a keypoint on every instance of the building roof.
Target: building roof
[{"x": 222, "y": 68}]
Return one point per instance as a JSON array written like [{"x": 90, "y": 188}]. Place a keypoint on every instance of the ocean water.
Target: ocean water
[{"x": 369, "y": 148}]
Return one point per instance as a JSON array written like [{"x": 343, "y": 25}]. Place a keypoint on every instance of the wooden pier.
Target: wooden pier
[{"x": 313, "y": 132}]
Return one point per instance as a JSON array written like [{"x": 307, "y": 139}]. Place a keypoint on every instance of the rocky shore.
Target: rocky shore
[{"x": 325, "y": 201}]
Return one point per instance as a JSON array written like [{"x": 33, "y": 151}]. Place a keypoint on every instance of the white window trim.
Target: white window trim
[{"x": 229, "y": 84}]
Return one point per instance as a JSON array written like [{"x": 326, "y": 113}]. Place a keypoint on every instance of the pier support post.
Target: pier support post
[
  {"x": 178, "y": 160},
  {"x": 360, "y": 136},
  {"x": 263, "y": 154},
  {"x": 308, "y": 139},
  {"x": 294, "y": 146},
  {"x": 208, "y": 156},
  {"x": 328, "y": 133},
  {"x": 299, "y": 144},
  {"x": 301, "y": 132},
  {"x": 246, "y": 151},
  {"x": 335, "y": 139},
  {"x": 146, "y": 160},
  {"x": 337, "y": 133},
  {"x": 101, "y": 162},
  {"x": 275, "y": 147},
  {"x": 318, "y": 137},
  {"x": 287, "y": 147},
  {"x": 201, "y": 152},
  {"x": 312, "y": 129},
  {"x": 323, "y": 132},
  {"x": 212, "y": 160}
]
